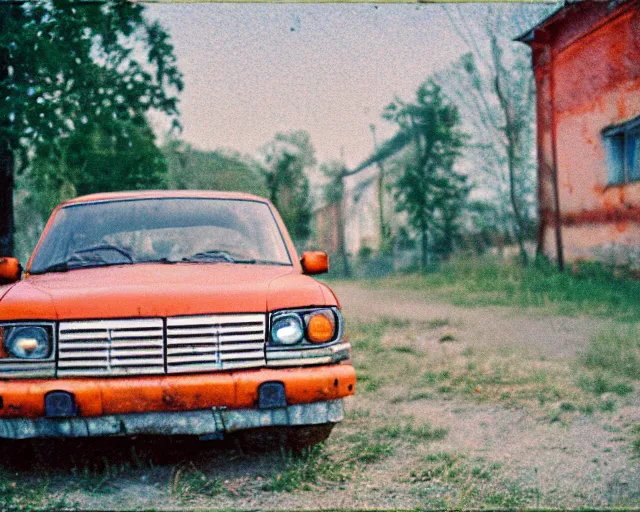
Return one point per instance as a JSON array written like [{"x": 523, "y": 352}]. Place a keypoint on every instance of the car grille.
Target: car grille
[
  {"x": 137, "y": 346},
  {"x": 111, "y": 347},
  {"x": 221, "y": 342}
]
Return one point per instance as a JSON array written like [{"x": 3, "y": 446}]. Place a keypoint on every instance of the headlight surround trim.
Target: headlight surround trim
[
  {"x": 32, "y": 331},
  {"x": 305, "y": 315}
]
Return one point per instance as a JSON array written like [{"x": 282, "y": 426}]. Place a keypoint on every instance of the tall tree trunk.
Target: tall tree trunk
[
  {"x": 6, "y": 177},
  {"x": 524, "y": 259},
  {"x": 511, "y": 146},
  {"x": 424, "y": 245},
  {"x": 342, "y": 239},
  {"x": 383, "y": 227}
]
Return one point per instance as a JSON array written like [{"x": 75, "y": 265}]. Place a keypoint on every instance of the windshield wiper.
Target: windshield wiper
[
  {"x": 65, "y": 266},
  {"x": 263, "y": 262},
  {"x": 57, "y": 267},
  {"x": 212, "y": 254},
  {"x": 105, "y": 247}
]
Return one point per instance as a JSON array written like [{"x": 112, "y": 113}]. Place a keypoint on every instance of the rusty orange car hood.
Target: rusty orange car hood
[{"x": 151, "y": 290}]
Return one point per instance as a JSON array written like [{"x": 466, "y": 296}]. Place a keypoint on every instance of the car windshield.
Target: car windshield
[{"x": 161, "y": 230}]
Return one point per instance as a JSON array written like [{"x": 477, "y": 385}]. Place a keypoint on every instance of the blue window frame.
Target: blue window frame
[{"x": 622, "y": 147}]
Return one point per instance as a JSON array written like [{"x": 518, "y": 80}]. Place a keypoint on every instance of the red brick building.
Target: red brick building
[{"x": 586, "y": 59}]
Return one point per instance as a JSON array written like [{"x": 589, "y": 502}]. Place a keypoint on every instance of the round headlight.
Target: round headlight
[
  {"x": 287, "y": 330},
  {"x": 28, "y": 342}
]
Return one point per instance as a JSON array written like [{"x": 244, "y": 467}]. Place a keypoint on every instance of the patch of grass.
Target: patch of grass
[
  {"x": 635, "y": 443},
  {"x": 447, "y": 336},
  {"x": 481, "y": 472},
  {"x": 369, "y": 452},
  {"x": 586, "y": 408},
  {"x": 355, "y": 414},
  {"x": 509, "y": 379},
  {"x": 601, "y": 383},
  {"x": 408, "y": 432},
  {"x": 394, "y": 322},
  {"x": 15, "y": 493},
  {"x": 608, "y": 405},
  {"x": 432, "y": 377},
  {"x": 435, "y": 323},
  {"x": 442, "y": 466},
  {"x": 616, "y": 351},
  {"x": 311, "y": 468},
  {"x": 188, "y": 483},
  {"x": 369, "y": 383},
  {"x": 453, "y": 468},
  {"x": 99, "y": 478},
  {"x": 515, "y": 496},
  {"x": 406, "y": 350},
  {"x": 593, "y": 290},
  {"x": 421, "y": 395},
  {"x": 567, "y": 407}
]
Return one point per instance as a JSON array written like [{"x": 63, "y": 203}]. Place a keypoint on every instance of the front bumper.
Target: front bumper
[
  {"x": 206, "y": 422},
  {"x": 179, "y": 393}
]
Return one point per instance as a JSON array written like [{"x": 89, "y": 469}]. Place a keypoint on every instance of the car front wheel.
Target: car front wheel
[{"x": 291, "y": 439}]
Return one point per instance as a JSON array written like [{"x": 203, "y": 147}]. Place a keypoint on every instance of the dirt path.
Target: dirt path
[
  {"x": 547, "y": 336},
  {"x": 584, "y": 462},
  {"x": 491, "y": 453}
]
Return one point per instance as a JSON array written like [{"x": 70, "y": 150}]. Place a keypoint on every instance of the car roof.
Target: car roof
[{"x": 164, "y": 194}]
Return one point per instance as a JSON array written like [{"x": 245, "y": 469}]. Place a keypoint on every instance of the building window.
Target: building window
[{"x": 622, "y": 147}]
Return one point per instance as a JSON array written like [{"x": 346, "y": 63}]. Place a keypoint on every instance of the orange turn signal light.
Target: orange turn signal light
[{"x": 321, "y": 328}]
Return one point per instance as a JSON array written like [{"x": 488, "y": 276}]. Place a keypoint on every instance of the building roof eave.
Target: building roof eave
[{"x": 531, "y": 35}]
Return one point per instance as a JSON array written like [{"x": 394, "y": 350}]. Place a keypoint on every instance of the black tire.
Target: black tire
[
  {"x": 302, "y": 438},
  {"x": 291, "y": 439}
]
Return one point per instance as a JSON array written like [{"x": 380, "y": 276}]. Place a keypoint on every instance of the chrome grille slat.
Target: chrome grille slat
[
  {"x": 191, "y": 350},
  {"x": 210, "y": 330},
  {"x": 114, "y": 345},
  {"x": 198, "y": 340},
  {"x": 241, "y": 337},
  {"x": 212, "y": 320},
  {"x": 241, "y": 347}
]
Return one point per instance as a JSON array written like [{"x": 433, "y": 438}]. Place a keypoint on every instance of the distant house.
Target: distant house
[
  {"x": 586, "y": 59},
  {"x": 361, "y": 216}
]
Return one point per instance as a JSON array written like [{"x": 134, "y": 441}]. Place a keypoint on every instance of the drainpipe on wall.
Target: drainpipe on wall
[{"x": 554, "y": 164}]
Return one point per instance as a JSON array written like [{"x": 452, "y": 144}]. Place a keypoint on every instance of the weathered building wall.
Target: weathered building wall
[
  {"x": 327, "y": 235},
  {"x": 587, "y": 67}
]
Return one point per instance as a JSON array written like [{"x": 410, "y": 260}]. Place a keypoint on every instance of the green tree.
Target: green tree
[
  {"x": 190, "y": 168},
  {"x": 429, "y": 189},
  {"x": 77, "y": 80},
  {"x": 450, "y": 201},
  {"x": 289, "y": 157},
  {"x": 494, "y": 89}
]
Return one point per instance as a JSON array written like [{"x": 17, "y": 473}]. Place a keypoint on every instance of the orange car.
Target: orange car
[{"x": 169, "y": 313}]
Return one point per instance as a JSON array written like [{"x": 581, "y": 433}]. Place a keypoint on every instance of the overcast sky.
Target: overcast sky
[{"x": 254, "y": 69}]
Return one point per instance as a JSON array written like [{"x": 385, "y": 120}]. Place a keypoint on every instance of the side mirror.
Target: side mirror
[
  {"x": 315, "y": 262},
  {"x": 10, "y": 270}
]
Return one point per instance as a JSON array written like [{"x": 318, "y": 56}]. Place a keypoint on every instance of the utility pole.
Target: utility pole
[{"x": 6, "y": 155}]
